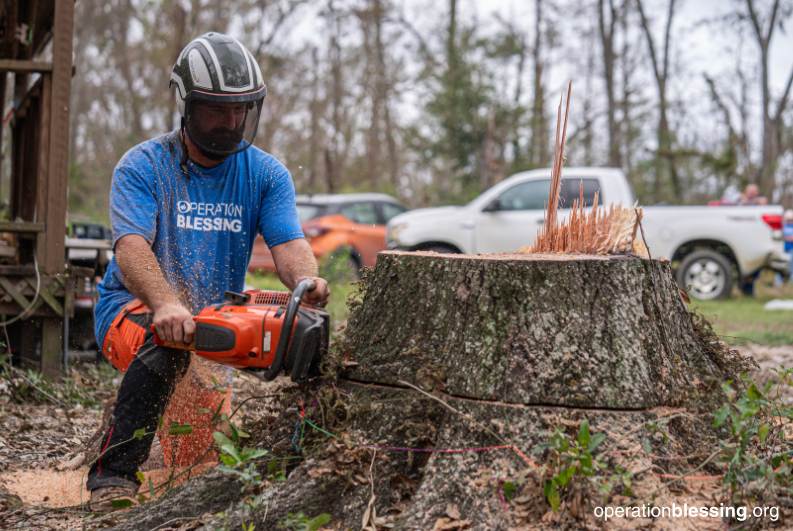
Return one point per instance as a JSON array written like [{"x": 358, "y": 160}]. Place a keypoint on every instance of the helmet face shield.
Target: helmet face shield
[{"x": 221, "y": 128}]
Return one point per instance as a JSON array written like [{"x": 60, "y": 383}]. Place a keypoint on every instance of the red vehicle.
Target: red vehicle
[{"x": 353, "y": 224}]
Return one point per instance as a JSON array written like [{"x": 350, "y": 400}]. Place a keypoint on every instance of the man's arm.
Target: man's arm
[
  {"x": 295, "y": 261},
  {"x": 144, "y": 279}
]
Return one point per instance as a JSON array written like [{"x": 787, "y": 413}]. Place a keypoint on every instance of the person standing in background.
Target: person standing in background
[{"x": 787, "y": 236}]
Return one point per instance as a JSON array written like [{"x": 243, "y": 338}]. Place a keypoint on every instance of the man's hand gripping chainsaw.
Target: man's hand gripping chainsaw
[{"x": 263, "y": 332}]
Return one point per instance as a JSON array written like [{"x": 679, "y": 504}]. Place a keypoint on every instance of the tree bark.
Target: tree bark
[
  {"x": 414, "y": 491},
  {"x": 493, "y": 328}
]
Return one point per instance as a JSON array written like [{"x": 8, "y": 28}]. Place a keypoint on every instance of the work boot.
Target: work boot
[{"x": 113, "y": 498}]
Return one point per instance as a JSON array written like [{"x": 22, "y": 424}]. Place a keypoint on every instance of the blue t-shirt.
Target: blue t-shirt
[
  {"x": 787, "y": 235},
  {"x": 201, "y": 228}
]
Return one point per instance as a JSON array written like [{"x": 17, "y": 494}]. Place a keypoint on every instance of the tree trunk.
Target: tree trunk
[
  {"x": 314, "y": 129},
  {"x": 334, "y": 160},
  {"x": 495, "y": 328},
  {"x": 538, "y": 148},
  {"x": 453, "y": 373},
  {"x": 772, "y": 120},
  {"x": 606, "y": 27},
  {"x": 384, "y": 86},
  {"x": 627, "y": 129},
  {"x": 178, "y": 19},
  {"x": 664, "y": 158}
]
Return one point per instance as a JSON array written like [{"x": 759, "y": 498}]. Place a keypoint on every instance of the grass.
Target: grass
[
  {"x": 87, "y": 384},
  {"x": 337, "y": 303},
  {"x": 741, "y": 320},
  {"x": 340, "y": 272}
]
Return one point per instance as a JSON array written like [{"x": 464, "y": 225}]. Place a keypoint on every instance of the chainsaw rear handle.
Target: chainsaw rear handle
[{"x": 302, "y": 287}]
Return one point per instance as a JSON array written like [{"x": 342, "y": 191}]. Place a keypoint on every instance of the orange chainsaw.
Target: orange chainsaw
[{"x": 264, "y": 332}]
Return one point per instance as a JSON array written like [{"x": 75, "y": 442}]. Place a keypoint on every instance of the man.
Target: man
[
  {"x": 787, "y": 236},
  {"x": 185, "y": 209},
  {"x": 751, "y": 196}
]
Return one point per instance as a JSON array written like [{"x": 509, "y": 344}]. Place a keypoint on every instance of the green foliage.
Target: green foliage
[
  {"x": 570, "y": 459},
  {"x": 339, "y": 267},
  {"x": 265, "y": 281},
  {"x": 85, "y": 388},
  {"x": 759, "y": 460},
  {"x": 457, "y": 108},
  {"x": 238, "y": 460},
  {"x": 723, "y": 163},
  {"x": 301, "y": 522},
  {"x": 276, "y": 470},
  {"x": 339, "y": 292},
  {"x": 87, "y": 200},
  {"x": 509, "y": 489},
  {"x": 180, "y": 429},
  {"x": 122, "y": 503},
  {"x": 619, "y": 478},
  {"x": 742, "y": 320}
]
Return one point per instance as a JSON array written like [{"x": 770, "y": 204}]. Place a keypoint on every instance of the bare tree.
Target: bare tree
[
  {"x": 315, "y": 131},
  {"x": 283, "y": 12},
  {"x": 734, "y": 160},
  {"x": 538, "y": 148},
  {"x": 381, "y": 127},
  {"x": 607, "y": 21},
  {"x": 772, "y": 118},
  {"x": 178, "y": 23},
  {"x": 665, "y": 157}
]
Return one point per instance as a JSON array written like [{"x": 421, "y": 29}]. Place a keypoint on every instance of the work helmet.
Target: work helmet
[{"x": 219, "y": 93}]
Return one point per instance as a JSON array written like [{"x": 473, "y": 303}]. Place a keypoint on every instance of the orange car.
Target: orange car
[{"x": 350, "y": 223}]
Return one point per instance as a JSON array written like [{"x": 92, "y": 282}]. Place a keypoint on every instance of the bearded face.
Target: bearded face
[{"x": 222, "y": 129}]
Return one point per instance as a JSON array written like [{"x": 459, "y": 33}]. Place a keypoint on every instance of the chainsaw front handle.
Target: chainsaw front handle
[{"x": 302, "y": 287}]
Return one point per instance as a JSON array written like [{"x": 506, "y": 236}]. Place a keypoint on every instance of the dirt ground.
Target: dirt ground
[
  {"x": 43, "y": 438},
  {"x": 42, "y": 446}
]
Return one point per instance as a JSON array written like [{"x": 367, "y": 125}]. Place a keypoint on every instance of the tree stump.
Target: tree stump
[
  {"x": 453, "y": 373},
  {"x": 563, "y": 330}
]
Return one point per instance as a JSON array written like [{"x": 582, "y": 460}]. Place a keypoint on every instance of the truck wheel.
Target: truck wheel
[{"x": 706, "y": 275}]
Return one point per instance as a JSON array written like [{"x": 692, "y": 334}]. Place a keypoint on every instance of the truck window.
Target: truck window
[
  {"x": 570, "y": 191},
  {"x": 307, "y": 211},
  {"x": 389, "y": 210},
  {"x": 531, "y": 195},
  {"x": 363, "y": 213}
]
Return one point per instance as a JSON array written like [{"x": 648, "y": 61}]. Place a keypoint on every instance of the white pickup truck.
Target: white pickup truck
[{"x": 709, "y": 246}]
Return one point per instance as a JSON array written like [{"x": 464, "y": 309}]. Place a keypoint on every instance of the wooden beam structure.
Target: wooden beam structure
[
  {"x": 36, "y": 285},
  {"x": 11, "y": 65}
]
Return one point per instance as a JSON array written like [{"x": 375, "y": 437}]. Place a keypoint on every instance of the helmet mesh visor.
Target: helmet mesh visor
[{"x": 222, "y": 129}]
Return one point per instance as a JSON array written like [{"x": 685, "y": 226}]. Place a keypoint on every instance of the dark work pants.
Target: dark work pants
[{"x": 144, "y": 392}]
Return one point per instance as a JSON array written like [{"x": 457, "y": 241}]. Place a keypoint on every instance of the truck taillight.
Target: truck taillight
[{"x": 773, "y": 220}]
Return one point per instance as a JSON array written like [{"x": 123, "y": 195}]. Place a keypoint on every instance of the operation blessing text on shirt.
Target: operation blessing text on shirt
[{"x": 206, "y": 216}]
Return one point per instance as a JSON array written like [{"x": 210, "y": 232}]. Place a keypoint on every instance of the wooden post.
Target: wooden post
[{"x": 52, "y": 254}]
